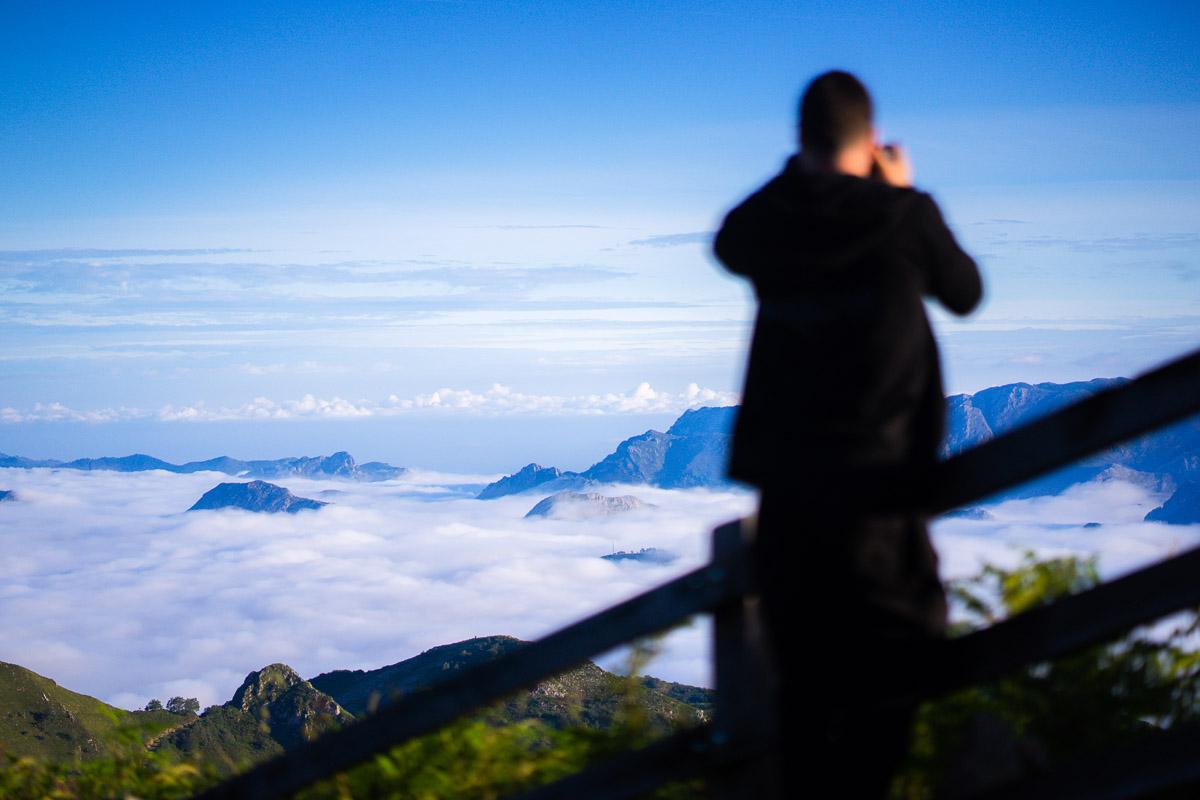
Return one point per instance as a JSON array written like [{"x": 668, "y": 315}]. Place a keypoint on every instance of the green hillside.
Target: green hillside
[
  {"x": 225, "y": 737},
  {"x": 586, "y": 694},
  {"x": 273, "y": 710},
  {"x": 40, "y": 719}
]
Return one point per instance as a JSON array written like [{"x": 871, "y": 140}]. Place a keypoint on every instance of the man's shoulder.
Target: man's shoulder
[
  {"x": 823, "y": 205},
  {"x": 798, "y": 184},
  {"x": 886, "y": 194}
]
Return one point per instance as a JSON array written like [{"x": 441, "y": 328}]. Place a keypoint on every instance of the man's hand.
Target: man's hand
[{"x": 893, "y": 165}]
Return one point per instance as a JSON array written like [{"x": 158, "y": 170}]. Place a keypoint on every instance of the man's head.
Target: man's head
[{"x": 836, "y": 123}]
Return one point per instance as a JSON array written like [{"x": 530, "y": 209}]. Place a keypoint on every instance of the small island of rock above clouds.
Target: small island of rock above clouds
[
  {"x": 257, "y": 496},
  {"x": 577, "y": 505},
  {"x": 647, "y": 555}
]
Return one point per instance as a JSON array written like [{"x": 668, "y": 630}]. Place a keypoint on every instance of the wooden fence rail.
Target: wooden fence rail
[{"x": 730, "y": 750}]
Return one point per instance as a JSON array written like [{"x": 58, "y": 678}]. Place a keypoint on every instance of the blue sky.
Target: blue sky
[{"x": 472, "y": 234}]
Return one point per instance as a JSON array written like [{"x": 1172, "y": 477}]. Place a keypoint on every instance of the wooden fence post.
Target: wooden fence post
[{"x": 744, "y": 725}]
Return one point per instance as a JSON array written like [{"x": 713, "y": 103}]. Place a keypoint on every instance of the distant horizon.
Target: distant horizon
[
  {"x": 243, "y": 211},
  {"x": 579, "y": 438},
  {"x": 124, "y": 595}
]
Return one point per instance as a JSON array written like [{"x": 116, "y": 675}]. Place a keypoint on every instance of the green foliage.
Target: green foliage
[
  {"x": 1037, "y": 717},
  {"x": 183, "y": 705},
  {"x": 478, "y": 759},
  {"x": 487, "y": 755},
  {"x": 225, "y": 738},
  {"x": 1052, "y": 712},
  {"x": 42, "y": 720},
  {"x": 584, "y": 695},
  {"x": 129, "y": 771},
  {"x": 154, "y": 705}
]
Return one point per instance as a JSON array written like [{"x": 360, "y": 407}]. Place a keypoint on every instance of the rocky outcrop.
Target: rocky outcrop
[
  {"x": 290, "y": 706},
  {"x": 258, "y": 496},
  {"x": 534, "y": 476},
  {"x": 647, "y": 555},
  {"x": 586, "y": 693},
  {"x": 584, "y": 505},
  {"x": 638, "y": 459}
]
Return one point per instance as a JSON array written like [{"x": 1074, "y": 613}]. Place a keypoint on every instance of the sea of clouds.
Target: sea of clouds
[{"x": 111, "y": 588}]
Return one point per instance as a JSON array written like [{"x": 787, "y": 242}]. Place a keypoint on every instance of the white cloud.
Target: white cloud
[
  {"x": 501, "y": 399},
  {"x": 498, "y": 400},
  {"x": 1055, "y": 526},
  {"x": 58, "y": 412},
  {"x": 110, "y": 589}
]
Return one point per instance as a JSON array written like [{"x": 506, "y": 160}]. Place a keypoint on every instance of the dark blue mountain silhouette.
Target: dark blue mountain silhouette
[
  {"x": 694, "y": 449},
  {"x": 692, "y": 452},
  {"x": 1182, "y": 508},
  {"x": 531, "y": 476},
  {"x": 1168, "y": 459},
  {"x": 254, "y": 496},
  {"x": 647, "y": 555}
]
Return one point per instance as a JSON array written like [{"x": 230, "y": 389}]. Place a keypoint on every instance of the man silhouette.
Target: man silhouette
[{"x": 843, "y": 392}]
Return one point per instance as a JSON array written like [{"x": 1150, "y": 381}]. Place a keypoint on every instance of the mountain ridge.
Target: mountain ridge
[
  {"x": 578, "y": 505},
  {"x": 275, "y": 709},
  {"x": 690, "y": 453},
  {"x": 336, "y": 465},
  {"x": 694, "y": 450}
]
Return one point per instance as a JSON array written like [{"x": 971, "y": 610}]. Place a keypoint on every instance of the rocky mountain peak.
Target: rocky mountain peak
[
  {"x": 293, "y": 709},
  {"x": 522, "y": 480},
  {"x": 704, "y": 420},
  {"x": 340, "y": 463},
  {"x": 574, "y": 505},
  {"x": 265, "y": 686}
]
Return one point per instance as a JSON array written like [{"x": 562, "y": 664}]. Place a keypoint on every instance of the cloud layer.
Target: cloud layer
[
  {"x": 110, "y": 589},
  {"x": 498, "y": 400}
]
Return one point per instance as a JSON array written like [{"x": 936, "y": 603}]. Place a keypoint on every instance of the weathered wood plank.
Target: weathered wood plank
[
  {"x": 744, "y": 713},
  {"x": 1162, "y": 762},
  {"x": 1157, "y": 398},
  {"x": 1098, "y": 615}
]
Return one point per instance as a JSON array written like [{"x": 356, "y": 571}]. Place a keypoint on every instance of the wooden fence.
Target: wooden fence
[{"x": 730, "y": 751}]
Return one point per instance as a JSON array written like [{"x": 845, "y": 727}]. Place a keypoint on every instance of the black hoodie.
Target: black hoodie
[{"x": 844, "y": 371}]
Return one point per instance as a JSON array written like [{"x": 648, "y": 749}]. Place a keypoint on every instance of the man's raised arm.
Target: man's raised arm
[
  {"x": 732, "y": 245},
  {"x": 951, "y": 275}
]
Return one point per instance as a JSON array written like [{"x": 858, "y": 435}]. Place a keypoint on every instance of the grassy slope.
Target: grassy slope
[
  {"x": 226, "y": 737},
  {"x": 597, "y": 692},
  {"x": 39, "y": 718}
]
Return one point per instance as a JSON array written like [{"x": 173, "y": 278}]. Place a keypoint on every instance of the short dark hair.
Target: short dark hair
[{"x": 834, "y": 110}]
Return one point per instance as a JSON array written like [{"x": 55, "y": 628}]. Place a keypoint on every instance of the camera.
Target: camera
[{"x": 889, "y": 152}]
